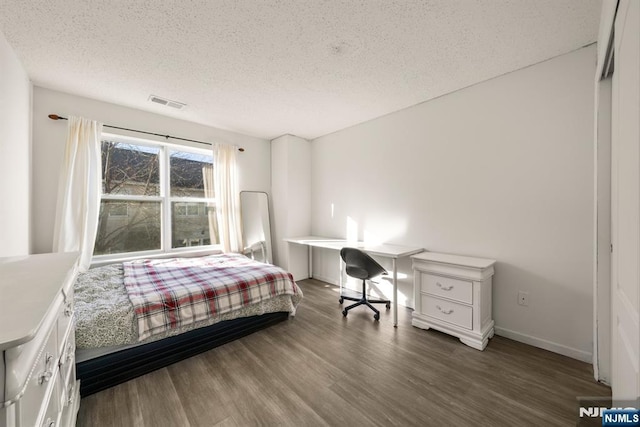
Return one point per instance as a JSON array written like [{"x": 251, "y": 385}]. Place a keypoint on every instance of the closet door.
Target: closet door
[{"x": 625, "y": 203}]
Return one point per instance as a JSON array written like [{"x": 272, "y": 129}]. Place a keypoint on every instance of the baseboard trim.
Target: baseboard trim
[
  {"x": 326, "y": 279},
  {"x": 574, "y": 353}
]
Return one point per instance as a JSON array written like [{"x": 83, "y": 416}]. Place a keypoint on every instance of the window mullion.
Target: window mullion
[
  {"x": 192, "y": 200},
  {"x": 129, "y": 198},
  {"x": 165, "y": 181}
]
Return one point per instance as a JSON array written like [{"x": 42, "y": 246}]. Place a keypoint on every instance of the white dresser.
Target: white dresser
[
  {"x": 453, "y": 295},
  {"x": 38, "y": 384}
]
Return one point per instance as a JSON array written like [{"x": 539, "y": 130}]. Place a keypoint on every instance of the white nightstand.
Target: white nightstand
[{"x": 453, "y": 295}]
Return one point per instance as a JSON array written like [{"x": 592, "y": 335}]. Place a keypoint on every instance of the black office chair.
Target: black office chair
[{"x": 361, "y": 266}]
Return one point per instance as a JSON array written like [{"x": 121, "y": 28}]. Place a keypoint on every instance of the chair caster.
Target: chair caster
[
  {"x": 376, "y": 316},
  {"x": 344, "y": 313},
  {"x": 341, "y": 300},
  {"x": 388, "y": 305}
]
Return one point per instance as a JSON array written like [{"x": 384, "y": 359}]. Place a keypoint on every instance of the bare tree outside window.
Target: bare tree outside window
[
  {"x": 129, "y": 169},
  {"x": 139, "y": 230}
]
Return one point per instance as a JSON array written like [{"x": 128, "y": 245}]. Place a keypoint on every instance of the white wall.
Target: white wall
[
  {"x": 291, "y": 187},
  {"x": 502, "y": 170},
  {"x": 49, "y": 137},
  {"x": 15, "y": 152}
]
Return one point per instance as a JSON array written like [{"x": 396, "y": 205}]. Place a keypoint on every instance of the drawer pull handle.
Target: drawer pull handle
[
  {"x": 44, "y": 377},
  {"x": 72, "y": 394},
  {"x": 48, "y": 373},
  {"x": 449, "y": 311},
  {"x": 443, "y": 287},
  {"x": 70, "y": 352},
  {"x": 68, "y": 310},
  {"x": 48, "y": 359}
]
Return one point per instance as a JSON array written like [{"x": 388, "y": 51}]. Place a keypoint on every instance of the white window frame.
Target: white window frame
[{"x": 164, "y": 198}]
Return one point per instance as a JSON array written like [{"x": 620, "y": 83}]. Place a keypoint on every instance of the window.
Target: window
[
  {"x": 119, "y": 209},
  {"x": 155, "y": 197},
  {"x": 187, "y": 209}
]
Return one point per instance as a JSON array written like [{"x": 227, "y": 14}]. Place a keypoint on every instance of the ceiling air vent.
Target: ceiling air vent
[{"x": 169, "y": 103}]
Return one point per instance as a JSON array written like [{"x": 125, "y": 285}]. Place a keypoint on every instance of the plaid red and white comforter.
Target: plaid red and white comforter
[{"x": 171, "y": 293}]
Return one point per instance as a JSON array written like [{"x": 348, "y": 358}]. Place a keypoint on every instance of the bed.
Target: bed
[{"x": 133, "y": 318}]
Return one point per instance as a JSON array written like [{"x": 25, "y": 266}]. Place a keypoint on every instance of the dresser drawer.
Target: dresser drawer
[
  {"x": 68, "y": 391},
  {"x": 455, "y": 289},
  {"x": 71, "y": 404},
  {"x": 41, "y": 380},
  {"x": 51, "y": 415},
  {"x": 65, "y": 317},
  {"x": 449, "y": 311},
  {"x": 68, "y": 359}
]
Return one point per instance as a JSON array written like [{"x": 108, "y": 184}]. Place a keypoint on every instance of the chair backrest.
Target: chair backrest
[{"x": 359, "y": 264}]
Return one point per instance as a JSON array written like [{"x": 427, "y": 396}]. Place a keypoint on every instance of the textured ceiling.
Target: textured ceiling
[{"x": 266, "y": 68}]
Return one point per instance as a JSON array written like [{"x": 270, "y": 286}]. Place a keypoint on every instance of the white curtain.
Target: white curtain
[
  {"x": 79, "y": 191},
  {"x": 209, "y": 193},
  {"x": 227, "y": 197}
]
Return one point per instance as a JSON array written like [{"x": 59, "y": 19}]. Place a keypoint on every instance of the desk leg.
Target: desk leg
[
  {"x": 340, "y": 274},
  {"x": 310, "y": 252},
  {"x": 395, "y": 293}
]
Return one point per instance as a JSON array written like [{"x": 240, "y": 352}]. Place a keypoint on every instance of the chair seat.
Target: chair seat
[{"x": 357, "y": 272}]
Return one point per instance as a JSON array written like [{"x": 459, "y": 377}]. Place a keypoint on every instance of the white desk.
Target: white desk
[{"x": 387, "y": 251}]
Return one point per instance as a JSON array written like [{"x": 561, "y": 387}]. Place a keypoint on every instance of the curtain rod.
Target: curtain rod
[{"x": 57, "y": 117}]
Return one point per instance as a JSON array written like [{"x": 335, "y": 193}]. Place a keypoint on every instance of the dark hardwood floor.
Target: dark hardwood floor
[{"x": 322, "y": 369}]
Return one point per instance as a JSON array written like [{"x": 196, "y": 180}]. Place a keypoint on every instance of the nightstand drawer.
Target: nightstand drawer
[
  {"x": 452, "y": 312},
  {"x": 447, "y": 287}
]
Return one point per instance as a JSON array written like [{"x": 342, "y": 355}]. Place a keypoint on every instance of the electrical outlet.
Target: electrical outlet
[{"x": 523, "y": 298}]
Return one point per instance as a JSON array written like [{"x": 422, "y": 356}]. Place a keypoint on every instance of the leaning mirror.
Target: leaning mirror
[{"x": 256, "y": 231}]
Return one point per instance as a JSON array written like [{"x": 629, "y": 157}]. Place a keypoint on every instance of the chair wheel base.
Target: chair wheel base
[
  {"x": 388, "y": 305},
  {"x": 344, "y": 313},
  {"x": 376, "y": 316},
  {"x": 341, "y": 300}
]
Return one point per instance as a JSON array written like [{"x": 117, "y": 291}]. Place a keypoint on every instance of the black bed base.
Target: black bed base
[{"x": 115, "y": 368}]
